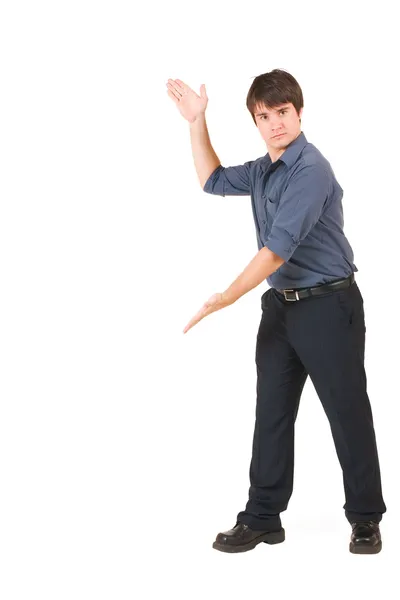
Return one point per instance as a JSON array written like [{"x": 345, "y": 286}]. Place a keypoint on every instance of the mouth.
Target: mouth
[{"x": 278, "y": 136}]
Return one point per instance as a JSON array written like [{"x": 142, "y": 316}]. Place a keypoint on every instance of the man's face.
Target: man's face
[{"x": 278, "y": 126}]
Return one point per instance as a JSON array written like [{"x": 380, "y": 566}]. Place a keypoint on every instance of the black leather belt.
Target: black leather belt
[{"x": 300, "y": 293}]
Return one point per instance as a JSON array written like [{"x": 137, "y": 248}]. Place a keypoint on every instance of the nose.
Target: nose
[{"x": 276, "y": 124}]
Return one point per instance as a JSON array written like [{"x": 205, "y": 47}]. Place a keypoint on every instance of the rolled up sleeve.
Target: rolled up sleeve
[
  {"x": 300, "y": 207},
  {"x": 229, "y": 181}
]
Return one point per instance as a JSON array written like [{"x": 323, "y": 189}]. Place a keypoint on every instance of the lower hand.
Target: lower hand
[{"x": 216, "y": 302}]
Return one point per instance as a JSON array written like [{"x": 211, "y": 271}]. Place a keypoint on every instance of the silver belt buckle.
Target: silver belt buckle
[{"x": 291, "y": 299}]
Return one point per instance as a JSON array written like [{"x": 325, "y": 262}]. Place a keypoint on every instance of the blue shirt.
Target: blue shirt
[{"x": 297, "y": 210}]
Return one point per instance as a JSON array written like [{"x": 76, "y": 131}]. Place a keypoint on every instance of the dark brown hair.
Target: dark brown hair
[{"x": 273, "y": 89}]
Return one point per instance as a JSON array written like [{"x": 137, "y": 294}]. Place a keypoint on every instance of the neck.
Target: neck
[{"x": 274, "y": 155}]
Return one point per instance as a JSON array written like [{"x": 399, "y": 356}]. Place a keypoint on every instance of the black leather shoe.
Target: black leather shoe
[
  {"x": 365, "y": 538},
  {"x": 241, "y": 538}
]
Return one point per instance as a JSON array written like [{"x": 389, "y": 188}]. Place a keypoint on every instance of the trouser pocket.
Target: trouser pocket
[{"x": 351, "y": 304}]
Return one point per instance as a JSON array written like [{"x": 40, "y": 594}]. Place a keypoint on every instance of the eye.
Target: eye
[{"x": 282, "y": 112}]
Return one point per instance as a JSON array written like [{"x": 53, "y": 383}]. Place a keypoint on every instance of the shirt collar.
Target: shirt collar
[{"x": 290, "y": 155}]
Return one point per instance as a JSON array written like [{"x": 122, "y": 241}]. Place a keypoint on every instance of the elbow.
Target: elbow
[
  {"x": 210, "y": 183},
  {"x": 276, "y": 260}
]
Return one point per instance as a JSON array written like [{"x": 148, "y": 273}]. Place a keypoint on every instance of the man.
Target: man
[{"x": 312, "y": 315}]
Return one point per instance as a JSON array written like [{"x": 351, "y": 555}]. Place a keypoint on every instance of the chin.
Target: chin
[{"x": 283, "y": 144}]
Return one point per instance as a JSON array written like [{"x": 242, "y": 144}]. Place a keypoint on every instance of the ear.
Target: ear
[{"x": 300, "y": 113}]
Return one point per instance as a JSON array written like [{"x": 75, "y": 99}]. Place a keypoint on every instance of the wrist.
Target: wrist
[
  {"x": 199, "y": 120},
  {"x": 228, "y": 297}
]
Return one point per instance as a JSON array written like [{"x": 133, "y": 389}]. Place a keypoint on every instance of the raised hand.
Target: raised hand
[{"x": 189, "y": 104}]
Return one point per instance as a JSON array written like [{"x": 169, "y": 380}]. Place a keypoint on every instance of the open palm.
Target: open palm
[{"x": 189, "y": 104}]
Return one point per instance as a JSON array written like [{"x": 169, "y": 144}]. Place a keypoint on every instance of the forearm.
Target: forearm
[
  {"x": 262, "y": 266},
  {"x": 205, "y": 159}
]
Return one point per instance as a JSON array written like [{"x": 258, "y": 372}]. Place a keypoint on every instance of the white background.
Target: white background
[{"x": 125, "y": 444}]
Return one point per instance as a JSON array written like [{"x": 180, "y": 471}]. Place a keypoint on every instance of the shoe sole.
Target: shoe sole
[
  {"x": 365, "y": 549},
  {"x": 275, "y": 537}
]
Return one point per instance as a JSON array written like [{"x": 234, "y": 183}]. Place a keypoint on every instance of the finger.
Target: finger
[
  {"x": 182, "y": 85},
  {"x": 180, "y": 88},
  {"x": 203, "y": 312},
  {"x": 189, "y": 326},
  {"x": 174, "y": 98},
  {"x": 174, "y": 91},
  {"x": 192, "y": 323}
]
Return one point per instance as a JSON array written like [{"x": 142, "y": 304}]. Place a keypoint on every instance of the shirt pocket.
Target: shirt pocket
[{"x": 271, "y": 206}]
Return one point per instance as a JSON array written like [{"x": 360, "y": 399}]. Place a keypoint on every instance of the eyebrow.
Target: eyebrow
[{"x": 276, "y": 110}]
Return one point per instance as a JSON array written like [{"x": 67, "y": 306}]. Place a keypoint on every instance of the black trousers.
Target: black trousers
[{"x": 323, "y": 337}]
